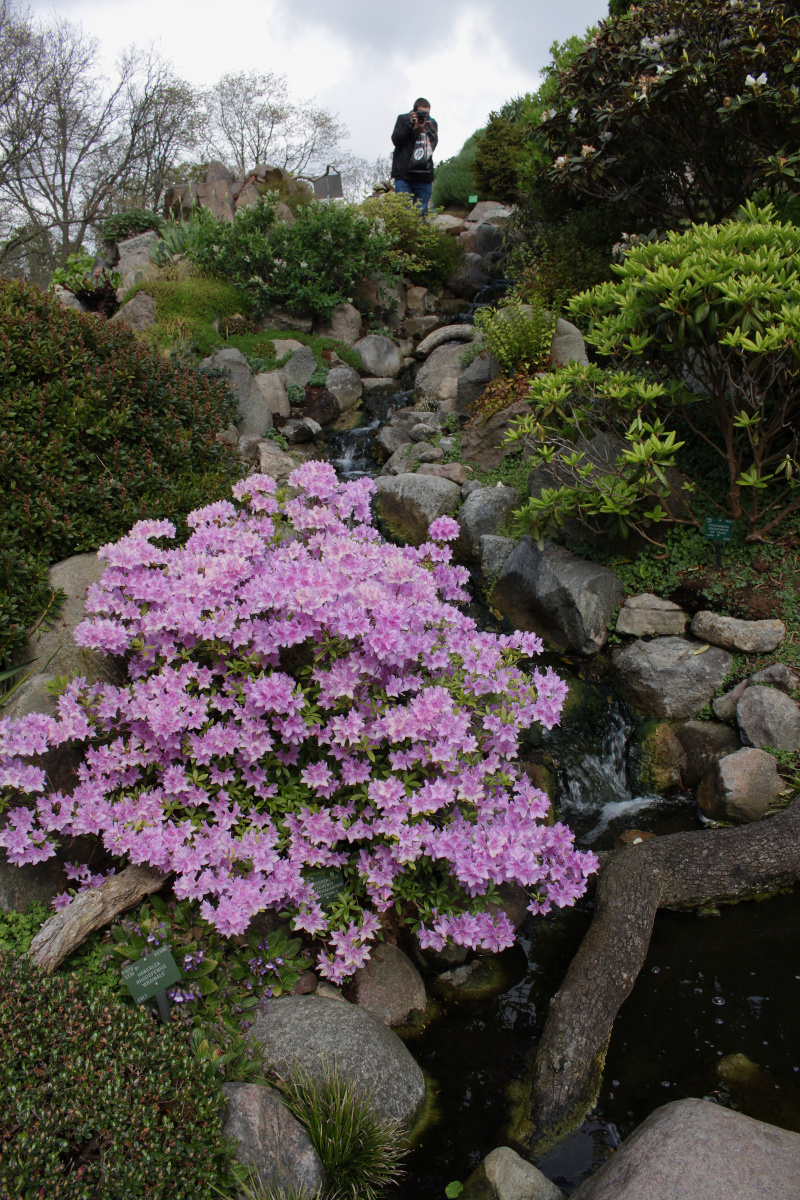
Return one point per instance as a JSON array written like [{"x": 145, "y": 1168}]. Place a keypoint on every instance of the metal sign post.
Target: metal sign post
[
  {"x": 718, "y": 530},
  {"x": 151, "y": 976}
]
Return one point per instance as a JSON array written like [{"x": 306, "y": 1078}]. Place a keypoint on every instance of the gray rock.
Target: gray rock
[
  {"x": 489, "y": 238},
  {"x": 767, "y": 717},
  {"x": 53, "y": 650},
  {"x": 504, "y": 1175},
  {"x": 389, "y": 986},
  {"x": 313, "y": 1032},
  {"x": 703, "y": 743},
  {"x": 669, "y": 677},
  {"x": 272, "y": 386},
  {"x": 433, "y": 454},
  {"x": 420, "y": 327},
  {"x": 379, "y": 355},
  {"x": 274, "y": 462},
  {"x": 281, "y": 320},
  {"x": 345, "y": 325},
  {"x": 777, "y": 675},
  {"x": 751, "y": 637},
  {"x": 441, "y": 364},
  {"x": 300, "y": 367},
  {"x": 297, "y": 431},
  {"x": 484, "y": 440},
  {"x": 725, "y": 706},
  {"x": 493, "y": 553},
  {"x": 452, "y": 471},
  {"x": 448, "y": 333},
  {"x": 468, "y": 279},
  {"x": 651, "y": 615},
  {"x": 405, "y": 459},
  {"x": 419, "y": 300},
  {"x": 568, "y": 345},
  {"x": 696, "y": 1150},
  {"x": 739, "y": 787},
  {"x": 377, "y": 385},
  {"x": 68, "y": 299},
  {"x": 420, "y": 432},
  {"x": 139, "y": 313},
  {"x": 285, "y": 346},
  {"x": 135, "y": 263},
  {"x": 388, "y": 439},
  {"x": 409, "y": 503},
  {"x": 488, "y": 208},
  {"x": 253, "y": 414},
  {"x": 483, "y": 512},
  {"x": 472, "y": 485},
  {"x": 567, "y": 600},
  {"x": 270, "y": 1139},
  {"x": 474, "y": 379},
  {"x": 346, "y": 385}
]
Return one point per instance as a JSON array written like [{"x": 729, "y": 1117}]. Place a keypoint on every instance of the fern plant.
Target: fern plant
[{"x": 518, "y": 334}]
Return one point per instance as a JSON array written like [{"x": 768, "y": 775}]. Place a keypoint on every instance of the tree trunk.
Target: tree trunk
[
  {"x": 682, "y": 870},
  {"x": 65, "y": 930}
]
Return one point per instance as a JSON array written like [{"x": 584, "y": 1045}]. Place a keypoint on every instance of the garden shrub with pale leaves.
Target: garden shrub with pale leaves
[{"x": 302, "y": 696}]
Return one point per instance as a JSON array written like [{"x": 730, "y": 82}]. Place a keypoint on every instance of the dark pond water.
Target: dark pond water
[{"x": 711, "y": 986}]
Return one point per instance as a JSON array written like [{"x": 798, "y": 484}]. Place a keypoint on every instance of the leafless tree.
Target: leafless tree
[
  {"x": 22, "y": 60},
  {"x": 251, "y": 119},
  {"x": 359, "y": 176},
  {"x": 96, "y": 143}
]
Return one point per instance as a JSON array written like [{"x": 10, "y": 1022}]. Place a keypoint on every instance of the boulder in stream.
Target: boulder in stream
[
  {"x": 380, "y": 356},
  {"x": 441, "y": 364},
  {"x": 483, "y": 512},
  {"x": 767, "y": 717},
  {"x": 389, "y": 986},
  {"x": 696, "y": 1150},
  {"x": 270, "y": 1139},
  {"x": 670, "y": 676},
  {"x": 504, "y": 1175},
  {"x": 409, "y": 503},
  {"x": 740, "y": 787},
  {"x": 703, "y": 743},
  {"x": 346, "y": 386}
]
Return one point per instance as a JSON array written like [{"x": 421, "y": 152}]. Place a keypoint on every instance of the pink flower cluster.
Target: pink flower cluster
[{"x": 302, "y": 695}]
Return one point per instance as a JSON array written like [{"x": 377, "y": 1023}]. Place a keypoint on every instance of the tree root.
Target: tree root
[
  {"x": 681, "y": 870},
  {"x": 90, "y": 910}
]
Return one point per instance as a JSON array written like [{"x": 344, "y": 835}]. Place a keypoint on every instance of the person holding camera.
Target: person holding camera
[{"x": 415, "y": 136}]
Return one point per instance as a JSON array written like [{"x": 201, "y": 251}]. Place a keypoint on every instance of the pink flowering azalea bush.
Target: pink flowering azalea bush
[{"x": 302, "y": 696}]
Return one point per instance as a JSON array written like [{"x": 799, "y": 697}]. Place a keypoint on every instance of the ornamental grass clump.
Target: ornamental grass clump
[
  {"x": 100, "y": 1102},
  {"x": 303, "y": 696}
]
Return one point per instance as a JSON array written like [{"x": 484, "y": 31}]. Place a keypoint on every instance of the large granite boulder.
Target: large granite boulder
[
  {"x": 441, "y": 364},
  {"x": 274, "y": 462},
  {"x": 504, "y": 1175},
  {"x": 739, "y": 787},
  {"x": 313, "y": 1032},
  {"x": 670, "y": 677},
  {"x": 493, "y": 553},
  {"x": 271, "y": 1140},
  {"x": 344, "y": 325},
  {"x": 139, "y": 312},
  {"x": 767, "y": 717},
  {"x": 568, "y": 345},
  {"x": 662, "y": 757},
  {"x": 409, "y": 503},
  {"x": 388, "y": 439},
  {"x": 253, "y": 414},
  {"x": 567, "y": 600},
  {"x": 696, "y": 1150},
  {"x": 135, "y": 263},
  {"x": 272, "y": 386},
  {"x": 405, "y": 458},
  {"x": 703, "y": 743},
  {"x": 380, "y": 356},
  {"x": 779, "y": 676},
  {"x": 346, "y": 386},
  {"x": 68, "y": 299},
  {"x": 448, "y": 333},
  {"x": 389, "y": 986},
  {"x": 751, "y": 637},
  {"x": 474, "y": 380},
  {"x": 649, "y": 615},
  {"x": 53, "y": 650},
  {"x": 483, "y": 512},
  {"x": 300, "y": 367},
  {"x": 483, "y": 441}
]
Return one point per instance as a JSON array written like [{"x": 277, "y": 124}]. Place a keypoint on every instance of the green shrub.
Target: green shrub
[
  {"x": 129, "y": 223},
  {"x": 180, "y": 236},
  {"x": 672, "y": 110},
  {"x": 496, "y": 166},
  {"x": 715, "y": 312},
  {"x": 418, "y": 249},
  {"x": 454, "y": 181},
  {"x": 360, "y": 1151},
  {"x": 566, "y": 255},
  {"x": 309, "y": 266},
  {"x": 99, "y": 431},
  {"x": 186, "y": 310},
  {"x": 99, "y": 1101},
  {"x": 518, "y": 334}
]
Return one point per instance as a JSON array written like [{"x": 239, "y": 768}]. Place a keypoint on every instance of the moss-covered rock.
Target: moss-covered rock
[{"x": 661, "y": 756}]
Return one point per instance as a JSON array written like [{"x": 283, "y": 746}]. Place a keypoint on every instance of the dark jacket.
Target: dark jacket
[{"x": 404, "y": 138}]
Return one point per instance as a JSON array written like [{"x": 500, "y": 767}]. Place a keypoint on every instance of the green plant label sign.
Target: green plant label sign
[
  {"x": 473, "y": 199},
  {"x": 328, "y": 884},
  {"x": 152, "y": 974},
  {"x": 718, "y": 530}
]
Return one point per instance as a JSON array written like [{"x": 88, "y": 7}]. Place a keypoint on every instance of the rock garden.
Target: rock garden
[{"x": 399, "y": 629}]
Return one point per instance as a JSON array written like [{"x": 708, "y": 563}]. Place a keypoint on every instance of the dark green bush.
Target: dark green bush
[
  {"x": 497, "y": 162},
  {"x": 309, "y": 266},
  {"x": 128, "y": 224},
  {"x": 99, "y": 1101},
  {"x": 425, "y": 254},
  {"x": 454, "y": 181},
  {"x": 99, "y": 431}
]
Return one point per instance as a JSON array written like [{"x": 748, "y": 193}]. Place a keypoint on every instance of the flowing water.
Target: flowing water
[{"x": 711, "y": 986}]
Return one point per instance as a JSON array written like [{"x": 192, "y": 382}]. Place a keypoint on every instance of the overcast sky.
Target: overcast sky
[{"x": 365, "y": 60}]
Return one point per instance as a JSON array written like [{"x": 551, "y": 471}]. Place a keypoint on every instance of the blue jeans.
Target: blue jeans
[{"x": 420, "y": 191}]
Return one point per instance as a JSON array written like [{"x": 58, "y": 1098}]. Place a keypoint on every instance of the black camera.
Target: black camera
[{"x": 421, "y": 116}]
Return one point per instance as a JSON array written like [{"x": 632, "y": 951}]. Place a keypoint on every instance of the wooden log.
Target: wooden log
[
  {"x": 90, "y": 910},
  {"x": 679, "y": 871}
]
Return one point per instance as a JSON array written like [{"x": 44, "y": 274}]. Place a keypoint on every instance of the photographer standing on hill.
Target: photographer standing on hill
[{"x": 415, "y": 137}]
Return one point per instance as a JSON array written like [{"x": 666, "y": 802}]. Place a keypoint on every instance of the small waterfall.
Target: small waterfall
[
  {"x": 350, "y": 452},
  {"x": 596, "y": 770}
]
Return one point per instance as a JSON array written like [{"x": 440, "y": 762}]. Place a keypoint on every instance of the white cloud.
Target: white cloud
[{"x": 366, "y": 62}]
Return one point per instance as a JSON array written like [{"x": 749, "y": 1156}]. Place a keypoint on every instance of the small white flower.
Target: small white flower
[
  {"x": 762, "y": 79},
  {"x": 573, "y": 115},
  {"x": 561, "y": 161},
  {"x": 750, "y": 81}
]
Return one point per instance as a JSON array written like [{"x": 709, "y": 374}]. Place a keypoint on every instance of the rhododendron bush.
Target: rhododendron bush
[{"x": 302, "y": 696}]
